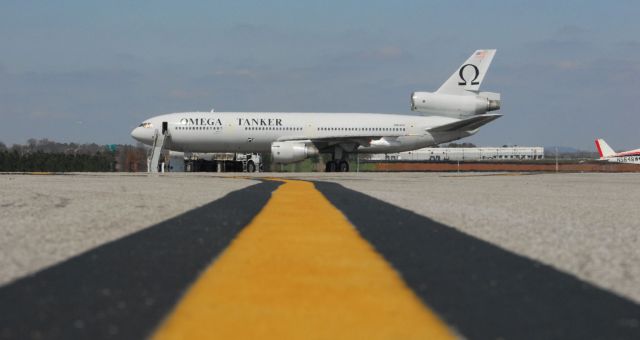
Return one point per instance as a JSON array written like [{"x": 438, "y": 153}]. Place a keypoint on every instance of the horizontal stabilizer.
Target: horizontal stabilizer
[{"x": 468, "y": 124}]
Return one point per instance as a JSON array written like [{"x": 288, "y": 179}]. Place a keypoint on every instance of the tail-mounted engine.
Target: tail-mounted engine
[{"x": 454, "y": 105}]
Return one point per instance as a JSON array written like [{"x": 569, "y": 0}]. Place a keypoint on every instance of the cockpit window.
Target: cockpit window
[{"x": 146, "y": 125}]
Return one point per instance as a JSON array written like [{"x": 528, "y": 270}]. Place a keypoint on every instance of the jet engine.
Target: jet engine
[
  {"x": 458, "y": 106},
  {"x": 291, "y": 151}
]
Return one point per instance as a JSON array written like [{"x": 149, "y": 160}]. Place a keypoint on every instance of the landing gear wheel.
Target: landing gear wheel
[
  {"x": 251, "y": 167},
  {"x": 343, "y": 166},
  {"x": 331, "y": 166}
]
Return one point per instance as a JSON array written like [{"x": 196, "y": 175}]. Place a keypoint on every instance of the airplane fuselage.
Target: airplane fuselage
[
  {"x": 256, "y": 131},
  {"x": 632, "y": 158}
]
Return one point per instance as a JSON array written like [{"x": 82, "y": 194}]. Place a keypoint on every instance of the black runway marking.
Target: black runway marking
[
  {"x": 484, "y": 291},
  {"x": 123, "y": 289}
]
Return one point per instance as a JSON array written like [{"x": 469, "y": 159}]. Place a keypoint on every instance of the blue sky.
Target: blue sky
[{"x": 88, "y": 71}]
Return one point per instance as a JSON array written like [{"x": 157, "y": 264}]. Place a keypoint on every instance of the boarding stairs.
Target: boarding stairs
[{"x": 159, "y": 139}]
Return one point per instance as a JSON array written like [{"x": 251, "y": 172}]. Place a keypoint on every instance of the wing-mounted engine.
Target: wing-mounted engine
[
  {"x": 292, "y": 151},
  {"x": 458, "y": 106}
]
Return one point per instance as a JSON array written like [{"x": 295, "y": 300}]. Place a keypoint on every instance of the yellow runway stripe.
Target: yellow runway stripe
[{"x": 300, "y": 270}]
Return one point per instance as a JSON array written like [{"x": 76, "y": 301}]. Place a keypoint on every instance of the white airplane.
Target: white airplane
[
  {"x": 607, "y": 154},
  {"x": 456, "y": 110}
]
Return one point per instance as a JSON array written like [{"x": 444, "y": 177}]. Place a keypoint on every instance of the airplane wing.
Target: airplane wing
[
  {"x": 364, "y": 140},
  {"x": 468, "y": 124}
]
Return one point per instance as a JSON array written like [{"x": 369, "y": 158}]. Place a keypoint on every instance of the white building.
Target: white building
[{"x": 517, "y": 153}]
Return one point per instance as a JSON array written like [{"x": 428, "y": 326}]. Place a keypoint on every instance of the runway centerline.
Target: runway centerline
[{"x": 301, "y": 270}]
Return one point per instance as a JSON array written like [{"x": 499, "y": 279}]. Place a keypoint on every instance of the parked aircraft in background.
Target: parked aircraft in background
[
  {"x": 607, "y": 154},
  {"x": 456, "y": 110}
]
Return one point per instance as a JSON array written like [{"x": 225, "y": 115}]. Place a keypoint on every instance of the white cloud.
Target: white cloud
[
  {"x": 388, "y": 52},
  {"x": 568, "y": 65}
]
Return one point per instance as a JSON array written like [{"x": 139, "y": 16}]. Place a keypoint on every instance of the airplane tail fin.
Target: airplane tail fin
[
  {"x": 604, "y": 149},
  {"x": 466, "y": 80}
]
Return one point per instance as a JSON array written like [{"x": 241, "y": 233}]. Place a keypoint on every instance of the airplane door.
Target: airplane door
[{"x": 165, "y": 127}]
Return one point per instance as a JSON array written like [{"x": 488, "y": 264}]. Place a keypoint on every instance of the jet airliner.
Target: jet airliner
[
  {"x": 456, "y": 110},
  {"x": 607, "y": 154}
]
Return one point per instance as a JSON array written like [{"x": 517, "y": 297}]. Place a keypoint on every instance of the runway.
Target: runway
[{"x": 320, "y": 256}]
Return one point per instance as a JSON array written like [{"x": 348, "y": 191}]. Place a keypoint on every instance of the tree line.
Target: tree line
[{"x": 49, "y": 156}]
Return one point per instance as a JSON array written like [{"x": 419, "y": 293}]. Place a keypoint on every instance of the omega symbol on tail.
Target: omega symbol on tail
[{"x": 464, "y": 80}]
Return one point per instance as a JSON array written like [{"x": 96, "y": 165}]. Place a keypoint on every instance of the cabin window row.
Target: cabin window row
[
  {"x": 272, "y": 128},
  {"x": 359, "y": 129}
]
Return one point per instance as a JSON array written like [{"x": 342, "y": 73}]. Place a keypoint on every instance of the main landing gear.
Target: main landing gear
[
  {"x": 338, "y": 162},
  {"x": 337, "y": 166}
]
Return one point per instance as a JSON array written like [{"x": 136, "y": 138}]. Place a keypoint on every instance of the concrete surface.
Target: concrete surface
[{"x": 46, "y": 219}]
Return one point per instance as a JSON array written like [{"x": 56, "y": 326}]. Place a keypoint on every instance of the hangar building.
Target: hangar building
[{"x": 517, "y": 153}]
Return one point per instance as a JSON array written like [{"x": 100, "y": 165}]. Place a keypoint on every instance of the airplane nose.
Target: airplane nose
[{"x": 138, "y": 134}]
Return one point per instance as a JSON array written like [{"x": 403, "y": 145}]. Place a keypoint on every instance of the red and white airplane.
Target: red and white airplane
[{"x": 607, "y": 154}]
